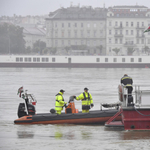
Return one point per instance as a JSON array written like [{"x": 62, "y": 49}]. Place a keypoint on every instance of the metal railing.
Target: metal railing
[{"x": 139, "y": 96}]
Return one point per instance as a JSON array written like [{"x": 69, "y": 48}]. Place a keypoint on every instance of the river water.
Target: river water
[{"x": 45, "y": 83}]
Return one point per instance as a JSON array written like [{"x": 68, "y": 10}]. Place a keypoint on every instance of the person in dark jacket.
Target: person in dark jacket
[{"x": 127, "y": 82}]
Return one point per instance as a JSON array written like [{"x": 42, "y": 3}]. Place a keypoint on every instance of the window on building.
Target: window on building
[
  {"x": 88, "y": 25},
  {"x": 17, "y": 59},
  {"x": 97, "y": 59},
  {"x": 69, "y": 43},
  {"x": 131, "y": 24},
  {"x": 137, "y": 41},
  {"x": 106, "y": 59},
  {"x": 94, "y": 33},
  {"x": 132, "y": 59},
  {"x": 109, "y": 32},
  {"x": 75, "y": 42},
  {"x": 148, "y": 41},
  {"x": 69, "y": 25},
  {"x": 120, "y": 41},
  {"x": 101, "y": 32},
  {"x": 53, "y": 59},
  {"x": 109, "y": 40},
  {"x": 56, "y": 43},
  {"x": 21, "y": 59},
  {"x": 116, "y": 31},
  {"x": 34, "y": 59},
  {"x": 123, "y": 59},
  {"x": 116, "y": 23},
  {"x": 94, "y": 43},
  {"x": 131, "y": 32},
  {"x": 88, "y": 33},
  {"x": 109, "y": 23},
  {"x": 142, "y": 24},
  {"x": 43, "y": 59},
  {"x": 75, "y": 24},
  {"x": 62, "y": 33},
  {"x": 81, "y": 33},
  {"x": 69, "y": 33},
  {"x": 56, "y": 33},
  {"x": 126, "y": 32},
  {"x": 137, "y": 24},
  {"x": 127, "y": 24},
  {"x": 120, "y": 24},
  {"x": 82, "y": 25},
  {"x": 27, "y": 59},
  {"x": 62, "y": 42},
  {"x": 55, "y": 25},
  {"x": 115, "y": 60},
  {"x": 116, "y": 41},
  {"x": 62, "y": 25},
  {"x": 142, "y": 41},
  {"x": 94, "y": 25},
  {"x": 75, "y": 33},
  {"x": 139, "y": 59},
  {"x": 120, "y": 32},
  {"x": 109, "y": 49},
  {"x": 38, "y": 59}
]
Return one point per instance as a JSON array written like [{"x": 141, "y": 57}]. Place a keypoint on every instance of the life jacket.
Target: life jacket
[
  {"x": 60, "y": 95},
  {"x": 86, "y": 98}
]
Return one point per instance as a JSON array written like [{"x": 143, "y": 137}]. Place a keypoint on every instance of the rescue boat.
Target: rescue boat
[
  {"x": 27, "y": 115},
  {"x": 135, "y": 113}
]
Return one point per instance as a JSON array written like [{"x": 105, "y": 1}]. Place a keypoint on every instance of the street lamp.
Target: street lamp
[{"x": 8, "y": 40}]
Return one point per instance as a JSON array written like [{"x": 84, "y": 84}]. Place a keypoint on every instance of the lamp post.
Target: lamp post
[{"x": 8, "y": 40}]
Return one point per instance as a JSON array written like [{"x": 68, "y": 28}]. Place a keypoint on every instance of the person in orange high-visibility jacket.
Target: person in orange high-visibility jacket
[
  {"x": 59, "y": 104},
  {"x": 87, "y": 101}
]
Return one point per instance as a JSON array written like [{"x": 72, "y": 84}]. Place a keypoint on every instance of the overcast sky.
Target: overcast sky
[{"x": 43, "y": 7}]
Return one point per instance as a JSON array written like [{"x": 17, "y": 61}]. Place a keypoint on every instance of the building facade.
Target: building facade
[
  {"x": 77, "y": 26},
  {"x": 125, "y": 30}
]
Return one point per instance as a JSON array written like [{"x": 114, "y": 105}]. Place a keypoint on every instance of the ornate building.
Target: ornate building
[
  {"x": 125, "y": 30},
  {"x": 77, "y": 26}
]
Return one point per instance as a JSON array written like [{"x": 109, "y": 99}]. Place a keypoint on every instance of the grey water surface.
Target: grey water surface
[{"x": 45, "y": 83}]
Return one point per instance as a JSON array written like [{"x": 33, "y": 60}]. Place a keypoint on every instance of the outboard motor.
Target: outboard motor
[
  {"x": 71, "y": 107},
  {"x": 22, "y": 110},
  {"x": 28, "y": 107}
]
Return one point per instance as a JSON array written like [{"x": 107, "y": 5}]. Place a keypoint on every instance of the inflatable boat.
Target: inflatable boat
[{"x": 27, "y": 115}]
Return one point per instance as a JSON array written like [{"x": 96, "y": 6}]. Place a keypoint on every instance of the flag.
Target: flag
[
  {"x": 147, "y": 30},
  {"x": 20, "y": 90}
]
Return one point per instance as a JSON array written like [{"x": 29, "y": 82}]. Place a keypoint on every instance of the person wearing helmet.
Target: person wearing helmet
[
  {"x": 127, "y": 83},
  {"x": 87, "y": 101},
  {"x": 59, "y": 104}
]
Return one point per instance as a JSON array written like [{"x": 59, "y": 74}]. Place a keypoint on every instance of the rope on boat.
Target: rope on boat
[{"x": 140, "y": 112}]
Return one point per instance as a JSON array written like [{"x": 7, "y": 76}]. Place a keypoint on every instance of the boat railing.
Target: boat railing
[
  {"x": 140, "y": 96},
  {"x": 31, "y": 98}
]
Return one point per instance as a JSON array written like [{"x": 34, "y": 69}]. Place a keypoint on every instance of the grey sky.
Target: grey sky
[{"x": 42, "y": 7}]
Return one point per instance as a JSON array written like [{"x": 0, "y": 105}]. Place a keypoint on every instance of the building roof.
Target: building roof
[
  {"x": 34, "y": 31},
  {"x": 72, "y": 13},
  {"x": 134, "y": 11},
  {"x": 130, "y": 6}
]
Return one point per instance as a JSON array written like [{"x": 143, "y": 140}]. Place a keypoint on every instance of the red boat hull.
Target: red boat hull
[{"x": 136, "y": 119}]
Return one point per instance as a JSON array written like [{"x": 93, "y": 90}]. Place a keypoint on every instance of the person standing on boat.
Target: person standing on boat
[
  {"x": 87, "y": 101},
  {"x": 59, "y": 104},
  {"x": 127, "y": 82}
]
